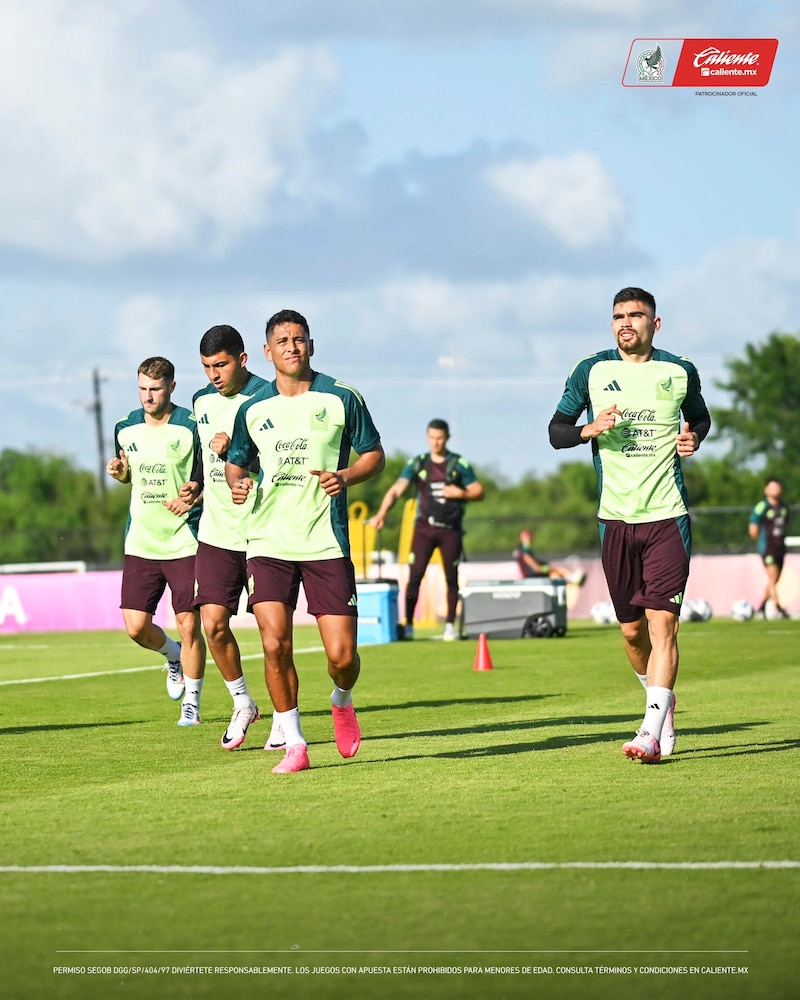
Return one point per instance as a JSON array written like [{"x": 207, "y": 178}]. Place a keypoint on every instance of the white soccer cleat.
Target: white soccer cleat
[
  {"x": 234, "y": 735},
  {"x": 190, "y": 715},
  {"x": 449, "y": 632},
  {"x": 668, "y": 735},
  {"x": 175, "y": 682},
  {"x": 276, "y": 739}
]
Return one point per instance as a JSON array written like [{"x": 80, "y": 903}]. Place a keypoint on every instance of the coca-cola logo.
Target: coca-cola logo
[
  {"x": 648, "y": 416},
  {"x": 297, "y": 444},
  {"x": 153, "y": 469}
]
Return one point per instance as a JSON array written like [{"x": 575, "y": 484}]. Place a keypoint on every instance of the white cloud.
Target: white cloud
[
  {"x": 573, "y": 196},
  {"x": 121, "y": 147}
]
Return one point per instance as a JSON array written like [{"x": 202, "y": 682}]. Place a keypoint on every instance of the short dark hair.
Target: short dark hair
[
  {"x": 439, "y": 425},
  {"x": 635, "y": 295},
  {"x": 287, "y": 316},
  {"x": 221, "y": 338},
  {"x": 158, "y": 368},
  {"x": 774, "y": 479}
]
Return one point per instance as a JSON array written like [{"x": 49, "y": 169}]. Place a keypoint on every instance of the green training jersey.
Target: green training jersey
[
  {"x": 293, "y": 518},
  {"x": 223, "y": 523},
  {"x": 161, "y": 459},
  {"x": 639, "y": 472}
]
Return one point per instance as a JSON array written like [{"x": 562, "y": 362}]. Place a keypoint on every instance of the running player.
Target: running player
[
  {"x": 221, "y": 561},
  {"x": 157, "y": 448},
  {"x": 301, "y": 429},
  {"x": 634, "y": 396}
]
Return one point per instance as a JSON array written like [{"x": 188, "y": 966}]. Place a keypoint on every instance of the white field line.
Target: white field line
[
  {"x": 500, "y": 866},
  {"x": 130, "y": 670}
]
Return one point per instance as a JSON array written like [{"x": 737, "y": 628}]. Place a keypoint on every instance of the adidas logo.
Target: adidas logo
[
  {"x": 613, "y": 387},
  {"x": 204, "y": 419},
  {"x": 677, "y": 599},
  {"x": 132, "y": 447},
  {"x": 352, "y": 603},
  {"x": 267, "y": 425}
]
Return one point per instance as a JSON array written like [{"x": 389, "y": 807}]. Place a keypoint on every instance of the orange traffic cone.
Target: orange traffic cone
[{"x": 482, "y": 659}]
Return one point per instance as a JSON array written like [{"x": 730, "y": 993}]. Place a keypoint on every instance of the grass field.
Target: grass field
[{"x": 489, "y": 827}]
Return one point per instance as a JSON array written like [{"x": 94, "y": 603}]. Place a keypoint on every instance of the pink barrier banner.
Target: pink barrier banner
[
  {"x": 66, "y": 602},
  {"x": 63, "y": 602}
]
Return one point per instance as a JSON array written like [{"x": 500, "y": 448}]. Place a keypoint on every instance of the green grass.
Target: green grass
[{"x": 517, "y": 765}]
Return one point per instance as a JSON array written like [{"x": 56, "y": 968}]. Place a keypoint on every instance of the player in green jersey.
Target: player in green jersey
[
  {"x": 302, "y": 428},
  {"x": 157, "y": 447},
  {"x": 221, "y": 561},
  {"x": 634, "y": 396}
]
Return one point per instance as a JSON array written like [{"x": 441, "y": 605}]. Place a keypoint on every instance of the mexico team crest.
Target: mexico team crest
[{"x": 650, "y": 65}]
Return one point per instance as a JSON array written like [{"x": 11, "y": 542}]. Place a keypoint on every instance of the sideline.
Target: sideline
[
  {"x": 130, "y": 670},
  {"x": 498, "y": 866}
]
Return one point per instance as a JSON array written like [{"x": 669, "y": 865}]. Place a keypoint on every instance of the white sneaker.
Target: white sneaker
[
  {"x": 449, "y": 632},
  {"x": 668, "y": 736},
  {"x": 276, "y": 739},
  {"x": 577, "y": 576}
]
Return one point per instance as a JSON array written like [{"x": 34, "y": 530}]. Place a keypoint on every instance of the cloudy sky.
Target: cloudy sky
[{"x": 450, "y": 190}]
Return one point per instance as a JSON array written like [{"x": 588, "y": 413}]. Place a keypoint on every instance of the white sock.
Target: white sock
[
  {"x": 341, "y": 698},
  {"x": 194, "y": 685},
  {"x": 290, "y": 723},
  {"x": 658, "y": 702},
  {"x": 171, "y": 650},
  {"x": 642, "y": 679},
  {"x": 238, "y": 691}
]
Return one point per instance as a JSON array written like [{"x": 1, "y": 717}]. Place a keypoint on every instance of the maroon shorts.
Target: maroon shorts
[
  {"x": 144, "y": 582},
  {"x": 329, "y": 584},
  {"x": 221, "y": 576},
  {"x": 646, "y": 565}
]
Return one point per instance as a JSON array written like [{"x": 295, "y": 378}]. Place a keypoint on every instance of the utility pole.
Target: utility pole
[{"x": 97, "y": 407}]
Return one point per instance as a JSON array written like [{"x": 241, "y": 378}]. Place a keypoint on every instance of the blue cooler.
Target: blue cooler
[{"x": 377, "y": 611}]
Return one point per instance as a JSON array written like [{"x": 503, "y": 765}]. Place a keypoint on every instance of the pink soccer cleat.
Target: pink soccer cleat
[
  {"x": 346, "y": 730},
  {"x": 643, "y": 748},
  {"x": 296, "y": 759}
]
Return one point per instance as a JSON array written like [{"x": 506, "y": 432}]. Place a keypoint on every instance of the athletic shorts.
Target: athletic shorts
[
  {"x": 329, "y": 584},
  {"x": 145, "y": 580},
  {"x": 220, "y": 576},
  {"x": 646, "y": 565},
  {"x": 774, "y": 559}
]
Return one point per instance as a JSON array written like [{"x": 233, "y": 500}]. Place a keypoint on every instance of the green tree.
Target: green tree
[
  {"x": 762, "y": 424},
  {"x": 51, "y": 511}
]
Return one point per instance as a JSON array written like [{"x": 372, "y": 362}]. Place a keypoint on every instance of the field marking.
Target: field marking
[
  {"x": 130, "y": 670},
  {"x": 498, "y": 866}
]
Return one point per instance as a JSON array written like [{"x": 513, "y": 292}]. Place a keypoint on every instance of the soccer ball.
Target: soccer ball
[
  {"x": 703, "y": 610},
  {"x": 603, "y": 613},
  {"x": 742, "y": 611},
  {"x": 695, "y": 611}
]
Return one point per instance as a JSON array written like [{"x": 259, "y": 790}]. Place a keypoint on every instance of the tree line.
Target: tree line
[{"x": 52, "y": 511}]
